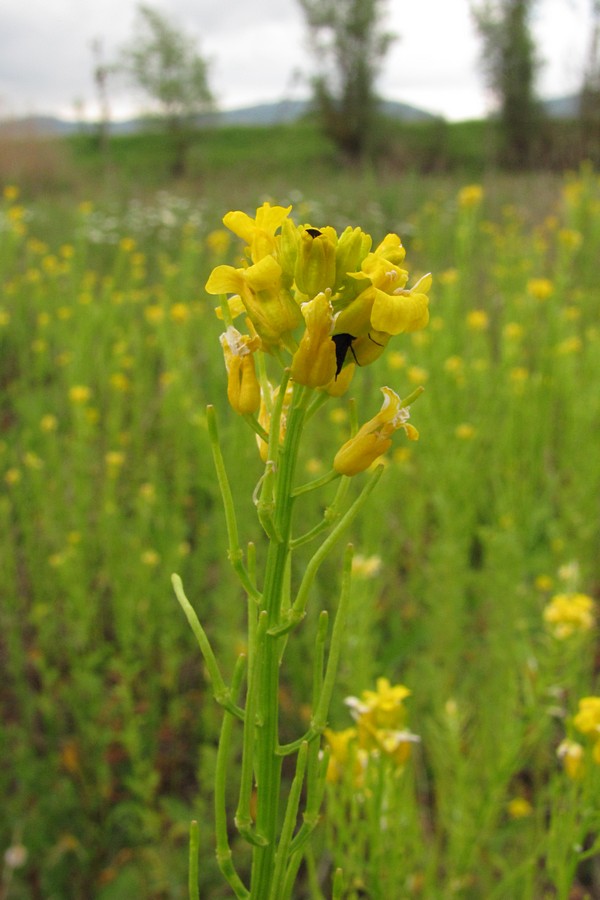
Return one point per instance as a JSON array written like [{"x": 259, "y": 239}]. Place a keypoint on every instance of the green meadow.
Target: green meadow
[{"x": 476, "y": 578}]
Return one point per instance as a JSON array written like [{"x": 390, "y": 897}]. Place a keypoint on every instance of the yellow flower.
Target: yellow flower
[
  {"x": 513, "y": 331},
  {"x": 315, "y": 267},
  {"x": 342, "y": 746},
  {"x": 569, "y": 345},
  {"x": 366, "y": 566},
  {"x": 519, "y": 808},
  {"x": 380, "y": 721},
  {"x": 271, "y": 309},
  {"x": 243, "y": 390},
  {"x": 314, "y": 362},
  {"x": 571, "y": 754},
  {"x": 374, "y": 438},
  {"x": 218, "y": 241},
  {"x": 568, "y": 614},
  {"x": 11, "y": 193},
  {"x": 180, "y": 312},
  {"x": 540, "y": 288},
  {"x": 385, "y": 705},
  {"x": 587, "y": 719},
  {"x": 340, "y": 384},
  {"x": 150, "y": 558},
  {"x": 79, "y": 393},
  {"x": 258, "y": 232},
  {"x": 543, "y": 582},
  {"x": 464, "y": 431},
  {"x": 470, "y": 195},
  {"x": 48, "y": 423},
  {"x": 477, "y": 320},
  {"x": 127, "y": 244},
  {"x": 114, "y": 460}
]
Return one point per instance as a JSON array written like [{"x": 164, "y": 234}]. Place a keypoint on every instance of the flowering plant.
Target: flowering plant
[{"x": 314, "y": 305}]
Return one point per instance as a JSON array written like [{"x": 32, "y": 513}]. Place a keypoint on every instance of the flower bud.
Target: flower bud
[{"x": 315, "y": 264}]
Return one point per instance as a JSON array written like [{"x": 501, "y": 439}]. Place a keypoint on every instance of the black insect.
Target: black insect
[
  {"x": 314, "y": 232},
  {"x": 343, "y": 342}
]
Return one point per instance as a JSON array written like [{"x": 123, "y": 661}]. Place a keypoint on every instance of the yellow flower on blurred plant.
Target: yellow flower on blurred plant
[
  {"x": 448, "y": 276},
  {"x": 417, "y": 374},
  {"x": 384, "y": 706},
  {"x": 571, "y": 754},
  {"x": 568, "y": 614},
  {"x": 569, "y": 238},
  {"x": 218, "y": 241},
  {"x": 519, "y": 808},
  {"x": 127, "y": 244},
  {"x": 114, "y": 460},
  {"x": 180, "y": 312},
  {"x": 154, "y": 313},
  {"x": 366, "y": 566},
  {"x": 543, "y": 582},
  {"x": 79, "y": 393},
  {"x": 380, "y": 717},
  {"x": 540, "y": 288},
  {"x": 120, "y": 382},
  {"x": 48, "y": 423},
  {"x": 513, "y": 331},
  {"x": 11, "y": 193},
  {"x": 477, "y": 320},
  {"x": 470, "y": 195},
  {"x": 569, "y": 345},
  {"x": 396, "y": 360},
  {"x": 465, "y": 431},
  {"x": 587, "y": 719},
  {"x": 342, "y": 747},
  {"x": 374, "y": 438},
  {"x": 150, "y": 558}
]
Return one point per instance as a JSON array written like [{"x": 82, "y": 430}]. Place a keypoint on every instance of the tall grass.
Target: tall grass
[{"x": 108, "y": 355}]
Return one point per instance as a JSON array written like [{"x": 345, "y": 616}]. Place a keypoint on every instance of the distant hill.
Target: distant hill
[{"x": 277, "y": 113}]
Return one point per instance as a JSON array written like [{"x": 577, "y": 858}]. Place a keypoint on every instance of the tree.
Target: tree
[
  {"x": 510, "y": 62},
  {"x": 348, "y": 45},
  {"x": 165, "y": 63},
  {"x": 589, "y": 108}
]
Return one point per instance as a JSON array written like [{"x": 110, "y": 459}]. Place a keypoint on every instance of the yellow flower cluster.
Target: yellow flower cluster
[
  {"x": 568, "y": 614},
  {"x": 587, "y": 722},
  {"x": 325, "y": 301},
  {"x": 380, "y": 731}
]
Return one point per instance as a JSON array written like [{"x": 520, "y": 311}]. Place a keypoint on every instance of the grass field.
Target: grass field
[{"x": 109, "y": 354}]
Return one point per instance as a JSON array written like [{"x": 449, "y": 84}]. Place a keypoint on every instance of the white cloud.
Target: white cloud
[{"x": 256, "y": 49}]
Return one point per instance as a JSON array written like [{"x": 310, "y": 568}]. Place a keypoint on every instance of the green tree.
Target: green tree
[
  {"x": 349, "y": 46},
  {"x": 165, "y": 64},
  {"x": 510, "y": 63}
]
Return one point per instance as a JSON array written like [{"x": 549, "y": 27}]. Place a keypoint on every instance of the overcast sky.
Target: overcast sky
[{"x": 257, "y": 52}]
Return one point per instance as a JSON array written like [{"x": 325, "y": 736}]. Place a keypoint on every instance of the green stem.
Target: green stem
[
  {"x": 224, "y": 856},
  {"x": 234, "y": 552},
  {"x": 222, "y": 693},
  {"x": 268, "y": 761},
  {"x": 296, "y": 613},
  {"x": 193, "y": 889},
  {"x": 289, "y": 823}
]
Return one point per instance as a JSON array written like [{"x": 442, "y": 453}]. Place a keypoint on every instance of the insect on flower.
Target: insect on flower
[{"x": 343, "y": 343}]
